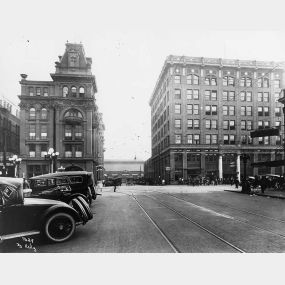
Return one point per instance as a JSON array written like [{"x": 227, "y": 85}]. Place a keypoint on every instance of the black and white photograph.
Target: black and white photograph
[{"x": 134, "y": 130}]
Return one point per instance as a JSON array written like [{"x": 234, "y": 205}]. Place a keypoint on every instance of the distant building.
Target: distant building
[
  {"x": 9, "y": 136},
  {"x": 125, "y": 169},
  {"x": 202, "y": 112},
  {"x": 62, "y": 114}
]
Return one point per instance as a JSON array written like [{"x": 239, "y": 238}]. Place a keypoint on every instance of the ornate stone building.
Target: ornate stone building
[
  {"x": 61, "y": 114},
  {"x": 202, "y": 112}
]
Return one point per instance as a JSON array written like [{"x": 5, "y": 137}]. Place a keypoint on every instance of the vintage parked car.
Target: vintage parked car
[
  {"x": 21, "y": 216},
  {"x": 64, "y": 186}
]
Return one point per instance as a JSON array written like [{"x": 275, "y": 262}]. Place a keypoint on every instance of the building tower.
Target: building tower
[{"x": 60, "y": 114}]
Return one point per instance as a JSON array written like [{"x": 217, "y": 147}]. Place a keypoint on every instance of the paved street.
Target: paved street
[{"x": 165, "y": 219}]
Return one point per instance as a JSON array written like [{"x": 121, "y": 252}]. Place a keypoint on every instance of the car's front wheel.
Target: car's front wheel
[{"x": 59, "y": 227}]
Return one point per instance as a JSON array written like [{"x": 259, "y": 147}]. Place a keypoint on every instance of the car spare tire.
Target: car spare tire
[
  {"x": 86, "y": 207},
  {"x": 76, "y": 204},
  {"x": 59, "y": 227}
]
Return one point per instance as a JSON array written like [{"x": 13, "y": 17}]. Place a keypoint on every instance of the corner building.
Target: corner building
[
  {"x": 61, "y": 114},
  {"x": 202, "y": 112}
]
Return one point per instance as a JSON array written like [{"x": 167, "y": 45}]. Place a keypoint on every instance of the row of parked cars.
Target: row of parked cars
[{"x": 51, "y": 205}]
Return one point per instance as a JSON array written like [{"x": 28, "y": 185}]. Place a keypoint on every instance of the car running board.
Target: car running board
[{"x": 22, "y": 234}]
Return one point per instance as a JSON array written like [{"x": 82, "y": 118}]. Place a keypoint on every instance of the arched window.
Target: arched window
[
  {"x": 245, "y": 82},
  {"x": 228, "y": 81},
  {"x": 73, "y": 91},
  {"x": 32, "y": 113},
  {"x": 73, "y": 113},
  {"x": 81, "y": 92},
  {"x": 211, "y": 80},
  {"x": 44, "y": 114},
  {"x": 65, "y": 91},
  {"x": 192, "y": 79}
]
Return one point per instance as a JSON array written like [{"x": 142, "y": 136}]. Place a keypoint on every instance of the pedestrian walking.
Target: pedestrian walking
[
  {"x": 115, "y": 185},
  {"x": 236, "y": 182},
  {"x": 263, "y": 184}
]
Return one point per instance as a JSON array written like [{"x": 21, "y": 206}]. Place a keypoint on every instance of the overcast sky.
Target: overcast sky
[{"x": 128, "y": 42}]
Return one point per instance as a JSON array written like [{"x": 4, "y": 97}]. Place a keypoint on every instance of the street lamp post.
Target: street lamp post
[
  {"x": 51, "y": 156},
  {"x": 16, "y": 162}
]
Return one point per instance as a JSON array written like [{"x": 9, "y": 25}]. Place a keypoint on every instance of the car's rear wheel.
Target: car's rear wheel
[
  {"x": 86, "y": 207},
  {"x": 59, "y": 227}
]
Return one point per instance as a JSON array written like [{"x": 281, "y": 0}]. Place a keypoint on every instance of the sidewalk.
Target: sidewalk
[{"x": 267, "y": 193}]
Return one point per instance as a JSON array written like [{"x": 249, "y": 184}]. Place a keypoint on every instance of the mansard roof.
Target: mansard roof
[
  {"x": 73, "y": 59},
  {"x": 74, "y": 64}
]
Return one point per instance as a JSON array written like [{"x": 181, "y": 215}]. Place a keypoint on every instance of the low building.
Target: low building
[{"x": 127, "y": 170}]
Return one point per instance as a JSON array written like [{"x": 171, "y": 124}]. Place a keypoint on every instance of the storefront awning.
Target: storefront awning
[{"x": 273, "y": 163}]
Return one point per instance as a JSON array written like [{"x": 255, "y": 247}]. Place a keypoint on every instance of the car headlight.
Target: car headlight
[{"x": 27, "y": 192}]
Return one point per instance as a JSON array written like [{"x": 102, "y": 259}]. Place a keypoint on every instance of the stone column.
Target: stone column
[
  {"x": 202, "y": 164},
  {"x": 255, "y": 159},
  {"x": 88, "y": 133},
  {"x": 172, "y": 167},
  {"x": 184, "y": 165},
  {"x": 220, "y": 166},
  {"x": 272, "y": 157},
  {"x": 238, "y": 165}
]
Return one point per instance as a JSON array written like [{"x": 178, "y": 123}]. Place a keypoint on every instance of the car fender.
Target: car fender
[
  {"x": 59, "y": 208},
  {"x": 76, "y": 195}
]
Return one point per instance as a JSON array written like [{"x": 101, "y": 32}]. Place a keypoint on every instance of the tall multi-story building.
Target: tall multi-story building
[
  {"x": 202, "y": 112},
  {"x": 9, "y": 136},
  {"x": 61, "y": 114}
]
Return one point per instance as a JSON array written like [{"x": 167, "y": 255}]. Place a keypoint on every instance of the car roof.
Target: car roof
[
  {"x": 11, "y": 181},
  {"x": 60, "y": 174}
]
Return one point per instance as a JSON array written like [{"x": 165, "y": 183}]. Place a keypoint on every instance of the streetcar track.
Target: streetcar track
[
  {"x": 234, "y": 218},
  {"x": 173, "y": 246},
  {"x": 168, "y": 240},
  {"x": 230, "y": 207},
  {"x": 197, "y": 224}
]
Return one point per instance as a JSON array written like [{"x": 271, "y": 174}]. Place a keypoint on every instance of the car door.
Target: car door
[{"x": 20, "y": 218}]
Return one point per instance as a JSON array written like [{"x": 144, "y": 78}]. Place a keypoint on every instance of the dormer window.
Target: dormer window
[
  {"x": 65, "y": 91},
  {"x": 81, "y": 92},
  {"x": 73, "y": 91}
]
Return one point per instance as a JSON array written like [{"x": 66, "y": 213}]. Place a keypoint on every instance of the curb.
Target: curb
[{"x": 257, "y": 194}]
